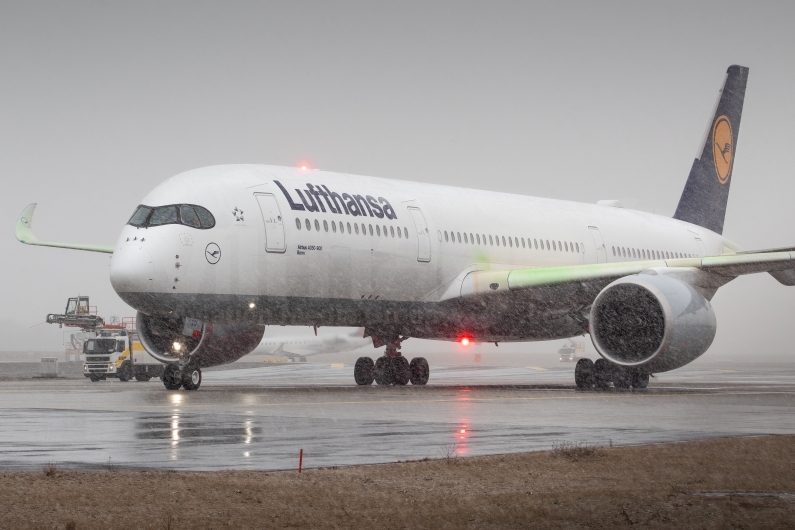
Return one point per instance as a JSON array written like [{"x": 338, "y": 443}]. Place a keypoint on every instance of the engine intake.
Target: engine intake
[
  {"x": 651, "y": 322},
  {"x": 167, "y": 341}
]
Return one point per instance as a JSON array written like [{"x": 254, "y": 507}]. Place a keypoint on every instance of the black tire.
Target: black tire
[
  {"x": 172, "y": 379},
  {"x": 640, "y": 380},
  {"x": 142, "y": 377},
  {"x": 191, "y": 377},
  {"x": 364, "y": 371},
  {"x": 584, "y": 374},
  {"x": 383, "y": 371},
  {"x": 622, "y": 378},
  {"x": 401, "y": 372},
  {"x": 602, "y": 374},
  {"x": 420, "y": 371},
  {"x": 125, "y": 372},
  {"x": 93, "y": 378}
]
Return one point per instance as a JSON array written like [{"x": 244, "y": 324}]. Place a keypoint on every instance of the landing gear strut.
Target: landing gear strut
[
  {"x": 600, "y": 374},
  {"x": 391, "y": 368}
]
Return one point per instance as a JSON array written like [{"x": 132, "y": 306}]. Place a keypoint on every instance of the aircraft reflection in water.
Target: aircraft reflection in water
[
  {"x": 213, "y": 255},
  {"x": 178, "y": 429}
]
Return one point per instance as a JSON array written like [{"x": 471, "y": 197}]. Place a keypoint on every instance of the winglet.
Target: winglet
[
  {"x": 24, "y": 234},
  {"x": 22, "y": 229}
]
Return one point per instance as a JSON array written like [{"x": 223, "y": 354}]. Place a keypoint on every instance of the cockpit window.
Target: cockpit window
[
  {"x": 140, "y": 216},
  {"x": 189, "y": 217},
  {"x": 207, "y": 219},
  {"x": 163, "y": 215},
  {"x": 186, "y": 214}
]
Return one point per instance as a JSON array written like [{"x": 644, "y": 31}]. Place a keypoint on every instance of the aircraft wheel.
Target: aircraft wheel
[
  {"x": 601, "y": 372},
  {"x": 584, "y": 373},
  {"x": 401, "y": 372},
  {"x": 640, "y": 380},
  {"x": 383, "y": 371},
  {"x": 364, "y": 371},
  {"x": 622, "y": 378},
  {"x": 171, "y": 377},
  {"x": 192, "y": 377},
  {"x": 302, "y": 360},
  {"x": 420, "y": 371},
  {"x": 125, "y": 372}
]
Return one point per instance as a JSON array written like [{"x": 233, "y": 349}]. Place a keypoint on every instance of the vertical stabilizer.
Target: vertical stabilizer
[{"x": 706, "y": 192}]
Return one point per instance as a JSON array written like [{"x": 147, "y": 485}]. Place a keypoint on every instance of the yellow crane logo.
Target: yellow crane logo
[{"x": 722, "y": 148}]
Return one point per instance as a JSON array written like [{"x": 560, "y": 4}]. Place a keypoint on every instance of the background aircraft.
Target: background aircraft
[{"x": 299, "y": 347}]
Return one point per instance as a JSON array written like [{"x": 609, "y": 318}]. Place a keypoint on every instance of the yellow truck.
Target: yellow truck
[{"x": 118, "y": 353}]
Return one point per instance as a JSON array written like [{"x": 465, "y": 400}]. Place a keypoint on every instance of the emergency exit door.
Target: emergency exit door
[
  {"x": 601, "y": 250},
  {"x": 423, "y": 236},
  {"x": 272, "y": 218}
]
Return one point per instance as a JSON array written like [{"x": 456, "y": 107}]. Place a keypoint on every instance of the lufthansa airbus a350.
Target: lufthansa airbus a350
[{"x": 213, "y": 255}]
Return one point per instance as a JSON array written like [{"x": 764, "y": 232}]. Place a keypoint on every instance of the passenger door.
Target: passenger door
[
  {"x": 272, "y": 218},
  {"x": 601, "y": 250},
  {"x": 423, "y": 236}
]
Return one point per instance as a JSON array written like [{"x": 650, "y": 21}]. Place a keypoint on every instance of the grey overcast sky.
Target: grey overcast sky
[{"x": 101, "y": 101}]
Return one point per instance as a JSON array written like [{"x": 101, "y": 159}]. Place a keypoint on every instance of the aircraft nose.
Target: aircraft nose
[{"x": 132, "y": 270}]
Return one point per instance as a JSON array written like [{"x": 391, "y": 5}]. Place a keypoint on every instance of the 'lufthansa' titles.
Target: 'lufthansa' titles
[{"x": 312, "y": 199}]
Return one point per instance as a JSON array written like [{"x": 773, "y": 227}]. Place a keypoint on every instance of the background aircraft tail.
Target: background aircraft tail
[{"x": 706, "y": 192}]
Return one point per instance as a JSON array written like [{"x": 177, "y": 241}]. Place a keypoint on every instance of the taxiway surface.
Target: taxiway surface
[{"x": 259, "y": 418}]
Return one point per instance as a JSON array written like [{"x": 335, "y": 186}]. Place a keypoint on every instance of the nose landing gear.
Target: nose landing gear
[
  {"x": 391, "y": 368},
  {"x": 188, "y": 377}
]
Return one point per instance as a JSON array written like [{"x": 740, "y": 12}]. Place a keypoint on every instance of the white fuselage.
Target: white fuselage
[{"x": 307, "y": 268}]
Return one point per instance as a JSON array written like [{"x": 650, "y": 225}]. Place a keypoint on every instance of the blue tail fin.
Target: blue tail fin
[{"x": 706, "y": 192}]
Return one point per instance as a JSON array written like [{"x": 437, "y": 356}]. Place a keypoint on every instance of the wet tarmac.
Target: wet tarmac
[{"x": 259, "y": 418}]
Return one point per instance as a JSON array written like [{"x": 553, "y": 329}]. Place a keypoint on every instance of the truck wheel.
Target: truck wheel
[
  {"x": 93, "y": 378},
  {"x": 172, "y": 379},
  {"x": 142, "y": 377},
  {"x": 125, "y": 372},
  {"x": 192, "y": 377}
]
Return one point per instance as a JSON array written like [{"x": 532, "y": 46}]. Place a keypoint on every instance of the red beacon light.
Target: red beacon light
[{"x": 464, "y": 341}]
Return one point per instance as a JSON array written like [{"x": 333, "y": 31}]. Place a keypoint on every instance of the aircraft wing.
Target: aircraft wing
[
  {"x": 25, "y": 235},
  {"x": 709, "y": 272}
]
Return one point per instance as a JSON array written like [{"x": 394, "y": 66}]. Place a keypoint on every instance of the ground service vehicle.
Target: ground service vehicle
[
  {"x": 571, "y": 351},
  {"x": 118, "y": 353}
]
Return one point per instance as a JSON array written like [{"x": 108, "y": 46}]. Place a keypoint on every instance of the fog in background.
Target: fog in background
[{"x": 102, "y": 101}]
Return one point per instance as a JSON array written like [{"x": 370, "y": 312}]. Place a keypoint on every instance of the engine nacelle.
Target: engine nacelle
[
  {"x": 170, "y": 340},
  {"x": 651, "y": 322}
]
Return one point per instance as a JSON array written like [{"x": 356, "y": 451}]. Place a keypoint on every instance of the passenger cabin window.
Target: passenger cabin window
[
  {"x": 185, "y": 214},
  {"x": 298, "y": 223}
]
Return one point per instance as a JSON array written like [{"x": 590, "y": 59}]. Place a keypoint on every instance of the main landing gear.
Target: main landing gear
[
  {"x": 599, "y": 375},
  {"x": 391, "y": 369},
  {"x": 189, "y": 377}
]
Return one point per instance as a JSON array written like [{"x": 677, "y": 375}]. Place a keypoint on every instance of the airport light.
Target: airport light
[
  {"x": 177, "y": 346},
  {"x": 252, "y": 305}
]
